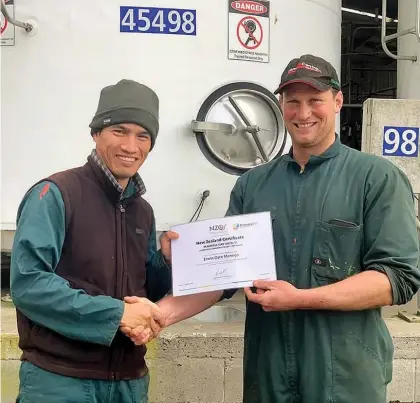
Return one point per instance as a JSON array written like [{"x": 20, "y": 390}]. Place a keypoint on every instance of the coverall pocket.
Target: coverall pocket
[
  {"x": 336, "y": 252},
  {"x": 362, "y": 354}
]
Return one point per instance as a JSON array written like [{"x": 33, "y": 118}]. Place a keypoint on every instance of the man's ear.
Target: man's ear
[
  {"x": 281, "y": 102},
  {"x": 339, "y": 99},
  {"x": 95, "y": 135}
]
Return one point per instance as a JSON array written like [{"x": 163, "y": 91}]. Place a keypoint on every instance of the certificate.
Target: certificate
[{"x": 223, "y": 253}]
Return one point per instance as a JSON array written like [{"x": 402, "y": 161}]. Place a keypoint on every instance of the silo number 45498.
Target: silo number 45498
[{"x": 154, "y": 20}]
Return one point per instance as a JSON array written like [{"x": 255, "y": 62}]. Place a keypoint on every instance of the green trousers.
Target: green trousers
[{"x": 40, "y": 386}]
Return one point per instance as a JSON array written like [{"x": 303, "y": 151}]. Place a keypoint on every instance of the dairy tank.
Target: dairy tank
[{"x": 51, "y": 79}]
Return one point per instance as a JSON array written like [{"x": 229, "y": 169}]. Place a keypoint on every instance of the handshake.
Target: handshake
[{"x": 142, "y": 320}]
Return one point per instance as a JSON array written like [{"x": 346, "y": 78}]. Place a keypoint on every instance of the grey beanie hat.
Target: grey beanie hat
[{"x": 127, "y": 102}]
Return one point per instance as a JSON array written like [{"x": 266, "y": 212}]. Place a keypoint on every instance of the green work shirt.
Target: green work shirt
[{"x": 328, "y": 356}]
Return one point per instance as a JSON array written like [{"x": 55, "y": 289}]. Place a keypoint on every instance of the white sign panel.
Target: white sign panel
[
  {"x": 7, "y": 30},
  {"x": 249, "y": 31},
  {"x": 223, "y": 253}
]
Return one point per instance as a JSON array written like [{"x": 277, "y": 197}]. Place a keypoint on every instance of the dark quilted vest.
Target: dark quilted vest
[{"x": 104, "y": 253}]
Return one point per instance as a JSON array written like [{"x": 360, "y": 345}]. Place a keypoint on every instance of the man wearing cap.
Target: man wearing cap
[
  {"x": 85, "y": 240},
  {"x": 345, "y": 244}
]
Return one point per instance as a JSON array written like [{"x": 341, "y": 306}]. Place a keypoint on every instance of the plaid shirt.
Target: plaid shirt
[{"x": 136, "y": 179}]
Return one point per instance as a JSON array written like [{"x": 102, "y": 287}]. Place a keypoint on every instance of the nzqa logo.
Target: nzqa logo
[{"x": 217, "y": 228}]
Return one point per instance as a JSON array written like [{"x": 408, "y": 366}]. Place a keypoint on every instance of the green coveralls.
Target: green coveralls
[
  {"x": 48, "y": 300},
  {"x": 328, "y": 356}
]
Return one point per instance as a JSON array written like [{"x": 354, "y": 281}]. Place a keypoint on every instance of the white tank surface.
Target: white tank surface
[
  {"x": 408, "y": 72},
  {"x": 51, "y": 79}
]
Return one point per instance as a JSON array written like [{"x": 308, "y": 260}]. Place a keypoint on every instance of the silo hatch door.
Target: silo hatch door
[{"x": 240, "y": 126}]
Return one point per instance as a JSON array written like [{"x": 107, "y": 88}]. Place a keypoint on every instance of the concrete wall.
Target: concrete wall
[{"x": 193, "y": 362}]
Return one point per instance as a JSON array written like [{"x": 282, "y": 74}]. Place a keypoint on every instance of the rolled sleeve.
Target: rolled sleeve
[
  {"x": 158, "y": 271},
  {"x": 391, "y": 239}
]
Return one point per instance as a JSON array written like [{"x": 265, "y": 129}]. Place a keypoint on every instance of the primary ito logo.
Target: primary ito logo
[
  {"x": 217, "y": 227},
  {"x": 249, "y": 224},
  {"x": 251, "y": 7}
]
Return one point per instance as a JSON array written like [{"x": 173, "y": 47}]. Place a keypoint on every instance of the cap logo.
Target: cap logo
[
  {"x": 335, "y": 83},
  {"x": 305, "y": 66},
  {"x": 106, "y": 121}
]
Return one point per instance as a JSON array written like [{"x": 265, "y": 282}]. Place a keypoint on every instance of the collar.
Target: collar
[
  {"x": 135, "y": 182},
  {"x": 329, "y": 153}
]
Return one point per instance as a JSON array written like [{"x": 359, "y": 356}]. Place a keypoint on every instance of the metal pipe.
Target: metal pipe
[
  {"x": 418, "y": 20},
  {"x": 383, "y": 37},
  {"x": 353, "y": 37},
  {"x": 373, "y": 54},
  {"x": 353, "y": 106},
  {"x": 351, "y": 50},
  {"x": 349, "y": 66},
  {"x": 383, "y": 32},
  {"x": 371, "y": 69},
  {"x": 418, "y": 223},
  {"x": 383, "y": 90},
  {"x": 398, "y": 34},
  {"x": 392, "y": 24},
  {"x": 27, "y": 27}
]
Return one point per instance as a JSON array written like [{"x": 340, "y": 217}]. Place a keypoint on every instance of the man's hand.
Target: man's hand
[
  {"x": 140, "y": 313},
  {"x": 142, "y": 333},
  {"x": 165, "y": 243},
  {"x": 274, "y": 295}
]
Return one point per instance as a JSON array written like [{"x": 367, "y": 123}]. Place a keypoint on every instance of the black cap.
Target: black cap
[{"x": 311, "y": 70}]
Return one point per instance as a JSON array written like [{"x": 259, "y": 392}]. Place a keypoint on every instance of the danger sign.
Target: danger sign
[
  {"x": 3, "y": 24},
  {"x": 249, "y": 30},
  {"x": 7, "y": 31}
]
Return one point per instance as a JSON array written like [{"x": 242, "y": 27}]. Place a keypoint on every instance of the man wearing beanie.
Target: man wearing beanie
[
  {"x": 84, "y": 244},
  {"x": 346, "y": 245}
]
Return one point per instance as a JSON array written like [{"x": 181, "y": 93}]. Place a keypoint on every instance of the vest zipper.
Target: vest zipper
[
  {"x": 115, "y": 355},
  {"x": 123, "y": 251}
]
